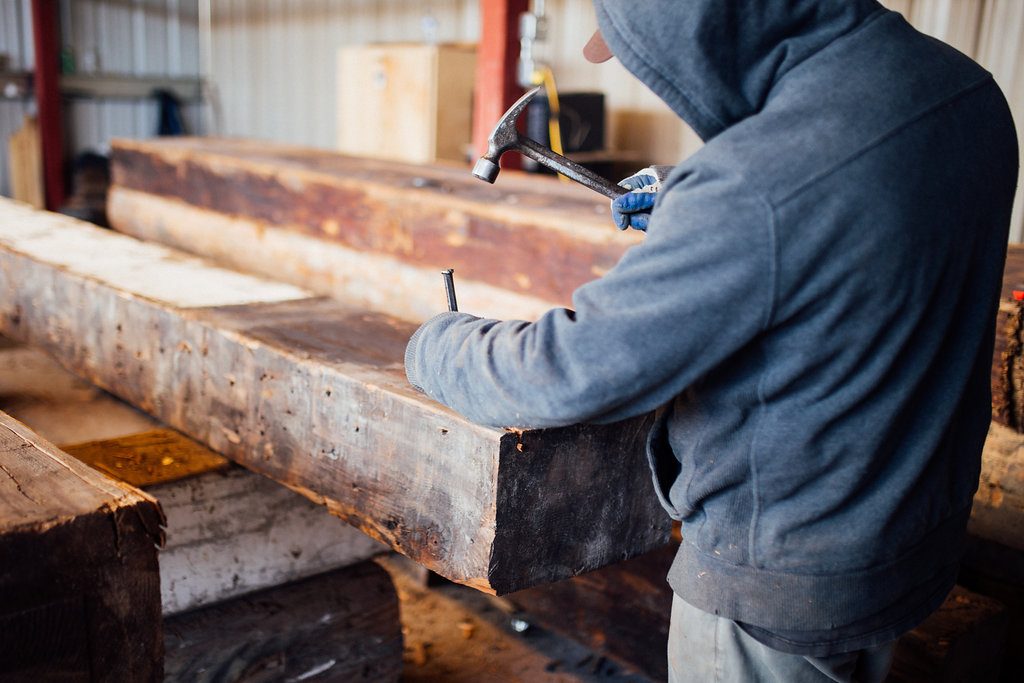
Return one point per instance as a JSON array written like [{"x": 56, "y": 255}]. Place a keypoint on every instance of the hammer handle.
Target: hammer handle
[{"x": 570, "y": 169}]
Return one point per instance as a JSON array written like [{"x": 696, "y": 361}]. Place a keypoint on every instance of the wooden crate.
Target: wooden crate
[{"x": 409, "y": 103}]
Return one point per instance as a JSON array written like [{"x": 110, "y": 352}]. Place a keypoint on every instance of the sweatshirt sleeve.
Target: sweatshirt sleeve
[{"x": 699, "y": 288}]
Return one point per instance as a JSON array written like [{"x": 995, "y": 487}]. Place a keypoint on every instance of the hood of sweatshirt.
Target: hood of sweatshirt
[{"x": 714, "y": 62}]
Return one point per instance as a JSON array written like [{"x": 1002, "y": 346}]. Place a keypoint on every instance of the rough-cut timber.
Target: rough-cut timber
[
  {"x": 998, "y": 512},
  {"x": 336, "y": 224},
  {"x": 1008, "y": 362},
  {"x": 79, "y": 588},
  {"x": 341, "y": 626},
  {"x": 229, "y": 531},
  {"x": 312, "y": 394}
]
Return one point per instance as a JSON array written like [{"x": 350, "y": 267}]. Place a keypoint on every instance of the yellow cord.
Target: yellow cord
[{"x": 546, "y": 77}]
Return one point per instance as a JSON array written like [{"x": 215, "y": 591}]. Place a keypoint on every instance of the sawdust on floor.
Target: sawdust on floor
[{"x": 455, "y": 634}]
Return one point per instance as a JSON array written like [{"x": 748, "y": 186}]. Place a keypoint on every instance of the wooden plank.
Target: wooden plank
[
  {"x": 229, "y": 531},
  {"x": 157, "y": 456},
  {"x": 79, "y": 589},
  {"x": 235, "y": 532},
  {"x": 1008, "y": 358},
  {"x": 312, "y": 394},
  {"x": 998, "y": 512},
  {"x": 299, "y": 213},
  {"x": 341, "y": 626},
  {"x": 25, "y": 160}
]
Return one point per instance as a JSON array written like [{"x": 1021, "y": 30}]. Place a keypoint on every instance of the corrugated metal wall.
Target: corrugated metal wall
[
  {"x": 273, "y": 62},
  {"x": 128, "y": 37},
  {"x": 123, "y": 37},
  {"x": 16, "y": 44}
]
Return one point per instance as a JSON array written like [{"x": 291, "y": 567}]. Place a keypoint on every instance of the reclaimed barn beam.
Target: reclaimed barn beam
[
  {"x": 228, "y": 531},
  {"x": 336, "y": 224},
  {"x": 79, "y": 588},
  {"x": 339, "y": 627},
  {"x": 312, "y": 393},
  {"x": 1008, "y": 363}
]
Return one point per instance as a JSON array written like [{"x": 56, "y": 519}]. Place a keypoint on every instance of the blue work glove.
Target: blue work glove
[{"x": 633, "y": 209}]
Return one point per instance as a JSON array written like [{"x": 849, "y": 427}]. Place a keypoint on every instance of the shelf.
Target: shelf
[
  {"x": 111, "y": 86},
  {"x": 18, "y": 85},
  {"x": 15, "y": 85}
]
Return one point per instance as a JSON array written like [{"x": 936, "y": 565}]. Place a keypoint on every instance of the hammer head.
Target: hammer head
[{"x": 503, "y": 138}]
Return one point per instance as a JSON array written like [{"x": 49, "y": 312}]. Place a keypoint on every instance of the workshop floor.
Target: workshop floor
[{"x": 458, "y": 635}]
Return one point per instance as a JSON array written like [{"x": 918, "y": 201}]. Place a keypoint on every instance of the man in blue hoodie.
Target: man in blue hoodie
[{"x": 812, "y": 312}]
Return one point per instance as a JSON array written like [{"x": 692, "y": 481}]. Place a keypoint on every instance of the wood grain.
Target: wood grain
[
  {"x": 1008, "y": 358},
  {"x": 527, "y": 235},
  {"x": 312, "y": 394},
  {"x": 229, "y": 531},
  {"x": 79, "y": 588},
  {"x": 157, "y": 456},
  {"x": 340, "y": 626}
]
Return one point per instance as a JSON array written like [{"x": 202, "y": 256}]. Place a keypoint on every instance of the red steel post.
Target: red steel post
[
  {"x": 496, "y": 87},
  {"x": 46, "y": 83}
]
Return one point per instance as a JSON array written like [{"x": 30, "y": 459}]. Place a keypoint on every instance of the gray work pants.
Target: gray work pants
[{"x": 703, "y": 648}]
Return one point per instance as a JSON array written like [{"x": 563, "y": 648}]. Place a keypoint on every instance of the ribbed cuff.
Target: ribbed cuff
[{"x": 411, "y": 366}]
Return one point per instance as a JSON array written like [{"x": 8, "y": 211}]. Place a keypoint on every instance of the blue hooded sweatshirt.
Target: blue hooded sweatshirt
[{"x": 812, "y": 312}]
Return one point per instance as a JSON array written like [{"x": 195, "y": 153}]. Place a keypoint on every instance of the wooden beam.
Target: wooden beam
[
  {"x": 339, "y": 626},
  {"x": 228, "y": 531},
  {"x": 46, "y": 37},
  {"x": 496, "y": 84},
  {"x": 79, "y": 589},
  {"x": 312, "y": 393},
  {"x": 998, "y": 512},
  {"x": 1008, "y": 363},
  {"x": 333, "y": 224}
]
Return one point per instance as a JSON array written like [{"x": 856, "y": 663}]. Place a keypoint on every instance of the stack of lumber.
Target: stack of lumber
[
  {"x": 332, "y": 225},
  {"x": 371, "y": 233},
  {"x": 311, "y": 393},
  {"x": 79, "y": 589},
  {"x": 228, "y": 532}
]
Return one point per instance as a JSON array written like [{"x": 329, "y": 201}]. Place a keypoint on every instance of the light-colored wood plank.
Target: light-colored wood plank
[{"x": 25, "y": 160}]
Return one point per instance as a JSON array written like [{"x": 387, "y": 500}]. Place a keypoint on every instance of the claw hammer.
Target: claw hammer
[{"x": 506, "y": 137}]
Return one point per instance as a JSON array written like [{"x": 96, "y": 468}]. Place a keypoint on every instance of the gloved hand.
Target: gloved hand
[{"x": 633, "y": 209}]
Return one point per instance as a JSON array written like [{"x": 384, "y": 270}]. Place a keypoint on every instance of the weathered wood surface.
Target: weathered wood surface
[
  {"x": 79, "y": 589},
  {"x": 312, "y": 394},
  {"x": 341, "y": 626},
  {"x": 229, "y": 531},
  {"x": 156, "y": 456},
  {"x": 336, "y": 224},
  {"x": 1008, "y": 361},
  {"x": 961, "y": 641},
  {"x": 998, "y": 512}
]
